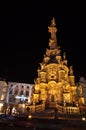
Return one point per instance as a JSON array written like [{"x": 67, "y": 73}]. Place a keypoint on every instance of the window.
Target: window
[
  {"x": 21, "y": 93},
  {"x": 27, "y": 93}
]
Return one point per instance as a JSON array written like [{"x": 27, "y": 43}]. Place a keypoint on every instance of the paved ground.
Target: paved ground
[{"x": 41, "y": 123}]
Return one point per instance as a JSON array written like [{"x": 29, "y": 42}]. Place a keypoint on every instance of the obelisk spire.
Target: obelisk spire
[{"x": 52, "y": 29}]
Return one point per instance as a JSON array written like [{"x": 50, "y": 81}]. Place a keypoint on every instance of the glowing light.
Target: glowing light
[
  {"x": 23, "y": 105},
  {"x": 29, "y": 116},
  {"x": 21, "y": 97},
  {"x": 83, "y": 119},
  {"x": 1, "y": 104}
]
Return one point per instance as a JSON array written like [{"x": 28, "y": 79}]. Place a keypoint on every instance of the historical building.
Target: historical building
[
  {"x": 13, "y": 93},
  {"x": 3, "y": 93},
  {"x": 19, "y": 92},
  {"x": 55, "y": 85}
]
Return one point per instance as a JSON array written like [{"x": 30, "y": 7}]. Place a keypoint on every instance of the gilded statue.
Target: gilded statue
[
  {"x": 80, "y": 90},
  {"x": 71, "y": 70}
]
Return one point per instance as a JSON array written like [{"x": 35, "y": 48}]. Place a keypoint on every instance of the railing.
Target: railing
[
  {"x": 37, "y": 108},
  {"x": 67, "y": 109}
]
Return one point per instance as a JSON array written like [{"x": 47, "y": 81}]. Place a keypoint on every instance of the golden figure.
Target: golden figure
[
  {"x": 80, "y": 90},
  {"x": 71, "y": 70}
]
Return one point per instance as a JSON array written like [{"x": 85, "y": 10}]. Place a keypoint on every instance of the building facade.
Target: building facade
[{"x": 13, "y": 93}]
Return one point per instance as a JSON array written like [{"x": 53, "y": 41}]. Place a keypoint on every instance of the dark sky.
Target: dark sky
[{"x": 24, "y": 38}]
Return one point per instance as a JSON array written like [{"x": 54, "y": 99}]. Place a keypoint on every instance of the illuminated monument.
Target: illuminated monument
[{"x": 55, "y": 85}]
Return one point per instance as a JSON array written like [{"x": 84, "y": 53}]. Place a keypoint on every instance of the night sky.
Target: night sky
[{"x": 24, "y": 38}]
